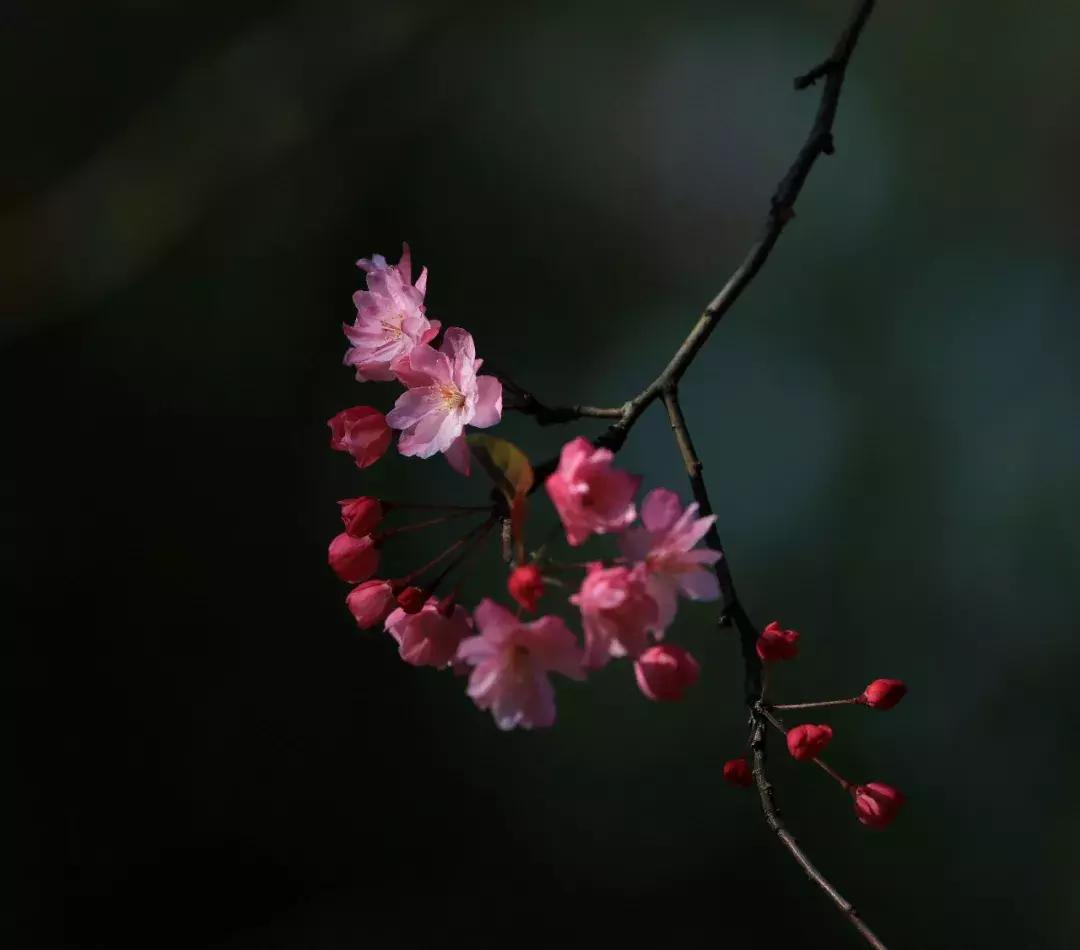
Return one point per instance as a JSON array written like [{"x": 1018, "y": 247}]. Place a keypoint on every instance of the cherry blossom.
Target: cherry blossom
[
  {"x": 616, "y": 612},
  {"x": 590, "y": 495},
  {"x": 738, "y": 772},
  {"x": 665, "y": 671},
  {"x": 666, "y": 543},
  {"x": 360, "y": 515},
  {"x": 775, "y": 643},
  {"x": 362, "y": 432},
  {"x": 876, "y": 804},
  {"x": 511, "y": 661},
  {"x": 353, "y": 559},
  {"x": 430, "y": 637},
  {"x": 444, "y": 395},
  {"x": 371, "y": 603},
  {"x": 883, "y": 693},
  {"x": 807, "y": 741},
  {"x": 390, "y": 318},
  {"x": 526, "y": 585}
]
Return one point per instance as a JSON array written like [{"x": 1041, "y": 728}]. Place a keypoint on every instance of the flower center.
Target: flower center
[
  {"x": 452, "y": 399},
  {"x": 393, "y": 329}
]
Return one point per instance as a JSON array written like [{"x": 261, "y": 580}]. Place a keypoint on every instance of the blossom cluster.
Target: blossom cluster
[
  {"x": 876, "y": 804},
  {"x": 624, "y": 603},
  {"x": 391, "y": 340}
]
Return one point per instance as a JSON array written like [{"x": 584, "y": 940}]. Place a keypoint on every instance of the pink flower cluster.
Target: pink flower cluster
[
  {"x": 625, "y": 605},
  {"x": 391, "y": 339}
]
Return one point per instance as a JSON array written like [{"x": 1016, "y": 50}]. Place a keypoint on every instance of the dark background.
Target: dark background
[{"x": 210, "y": 755}]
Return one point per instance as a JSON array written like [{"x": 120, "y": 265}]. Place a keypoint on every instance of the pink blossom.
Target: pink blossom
[
  {"x": 664, "y": 672},
  {"x": 590, "y": 496},
  {"x": 444, "y": 395},
  {"x": 429, "y": 637},
  {"x": 353, "y": 559},
  {"x": 362, "y": 432},
  {"x": 510, "y": 662},
  {"x": 371, "y": 603},
  {"x": 616, "y": 612},
  {"x": 390, "y": 317},
  {"x": 667, "y": 546}
]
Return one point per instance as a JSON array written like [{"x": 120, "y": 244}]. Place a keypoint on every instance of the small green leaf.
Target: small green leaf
[{"x": 506, "y": 465}]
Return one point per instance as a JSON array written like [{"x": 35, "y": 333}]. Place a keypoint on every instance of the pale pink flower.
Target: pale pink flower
[
  {"x": 511, "y": 661},
  {"x": 590, "y": 496},
  {"x": 390, "y": 318},
  {"x": 666, "y": 545},
  {"x": 362, "y": 432},
  {"x": 444, "y": 395},
  {"x": 616, "y": 612},
  {"x": 429, "y": 637}
]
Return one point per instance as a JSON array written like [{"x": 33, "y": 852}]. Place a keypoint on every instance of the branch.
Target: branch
[
  {"x": 818, "y": 142},
  {"x": 665, "y": 387},
  {"x": 753, "y": 672},
  {"x": 773, "y": 820},
  {"x": 527, "y": 404}
]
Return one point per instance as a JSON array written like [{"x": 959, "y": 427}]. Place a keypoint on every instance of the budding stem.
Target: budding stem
[
  {"x": 417, "y": 525},
  {"x": 419, "y": 506},
  {"x": 828, "y": 769},
  {"x": 456, "y": 546},
  {"x": 844, "y": 783},
  {"x": 827, "y": 702}
]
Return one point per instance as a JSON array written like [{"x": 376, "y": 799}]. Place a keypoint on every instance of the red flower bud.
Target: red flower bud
[
  {"x": 805, "y": 742},
  {"x": 526, "y": 585},
  {"x": 876, "y": 804},
  {"x": 738, "y": 772},
  {"x": 412, "y": 600},
  {"x": 777, "y": 644},
  {"x": 664, "y": 672},
  {"x": 353, "y": 559},
  {"x": 371, "y": 603},
  {"x": 360, "y": 515},
  {"x": 362, "y": 432},
  {"x": 884, "y": 694}
]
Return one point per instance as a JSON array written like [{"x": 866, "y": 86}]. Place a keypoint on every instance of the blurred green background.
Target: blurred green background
[{"x": 209, "y": 754}]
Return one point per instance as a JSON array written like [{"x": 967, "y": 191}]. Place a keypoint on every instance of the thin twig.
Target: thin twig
[
  {"x": 775, "y": 822},
  {"x": 853, "y": 701},
  {"x": 527, "y": 404},
  {"x": 818, "y": 142}
]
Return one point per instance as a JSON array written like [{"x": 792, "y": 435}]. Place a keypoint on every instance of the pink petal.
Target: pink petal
[
  {"x": 404, "y": 264},
  {"x": 699, "y": 585},
  {"x": 413, "y": 405},
  {"x": 433, "y": 434},
  {"x": 494, "y": 621},
  {"x": 488, "y": 402},
  {"x": 459, "y": 456},
  {"x": 660, "y": 510}
]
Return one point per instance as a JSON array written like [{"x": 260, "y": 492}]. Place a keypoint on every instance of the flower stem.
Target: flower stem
[
  {"x": 828, "y": 702},
  {"x": 417, "y": 525},
  {"x": 776, "y": 723}
]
